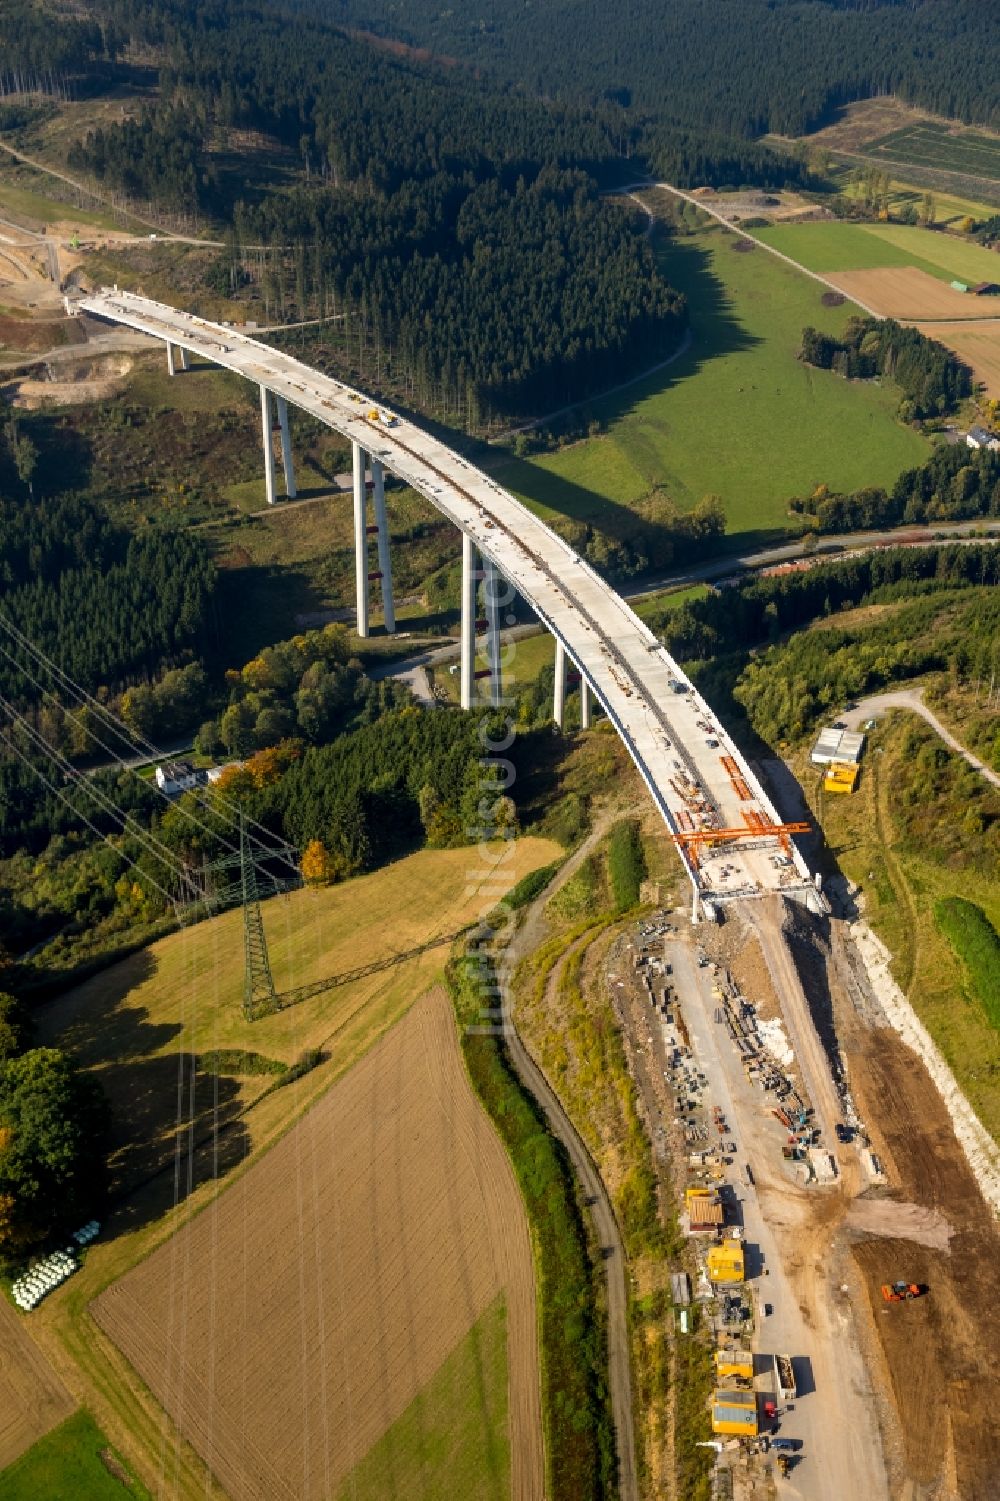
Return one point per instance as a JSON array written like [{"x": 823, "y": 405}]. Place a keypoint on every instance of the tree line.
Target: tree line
[
  {"x": 760, "y": 609},
  {"x": 933, "y": 379},
  {"x": 955, "y": 484},
  {"x": 54, "y": 1124}
]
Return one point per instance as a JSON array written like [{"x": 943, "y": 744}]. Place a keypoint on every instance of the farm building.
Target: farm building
[
  {"x": 981, "y": 437},
  {"x": 987, "y": 289},
  {"x": 175, "y": 777},
  {"x": 832, "y": 745},
  {"x": 734, "y": 1412}
]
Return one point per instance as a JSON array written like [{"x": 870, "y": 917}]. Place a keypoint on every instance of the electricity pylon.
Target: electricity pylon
[{"x": 259, "y": 996}]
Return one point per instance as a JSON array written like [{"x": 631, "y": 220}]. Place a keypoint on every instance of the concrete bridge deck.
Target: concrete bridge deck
[{"x": 669, "y": 729}]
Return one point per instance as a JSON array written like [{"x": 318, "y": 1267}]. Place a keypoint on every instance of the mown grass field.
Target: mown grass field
[
  {"x": 452, "y": 1439},
  {"x": 66, "y": 1465},
  {"x": 183, "y": 995},
  {"x": 737, "y": 415},
  {"x": 839, "y": 246}
]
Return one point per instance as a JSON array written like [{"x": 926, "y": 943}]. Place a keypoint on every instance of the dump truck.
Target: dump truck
[
  {"x": 784, "y": 1377},
  {"x": 900, "y": 1292}
]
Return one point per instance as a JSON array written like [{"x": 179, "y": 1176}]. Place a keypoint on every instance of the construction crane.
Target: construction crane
[{"x": 757, "y": 828}]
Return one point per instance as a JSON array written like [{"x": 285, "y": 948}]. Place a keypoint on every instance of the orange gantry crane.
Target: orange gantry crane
[{"x": 757, "y": 827}]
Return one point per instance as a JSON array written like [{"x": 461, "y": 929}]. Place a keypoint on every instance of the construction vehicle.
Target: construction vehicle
[{"x": 900, "y": 1292}]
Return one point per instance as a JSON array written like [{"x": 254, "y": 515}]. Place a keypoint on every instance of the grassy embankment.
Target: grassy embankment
[
  {"x": 579, "y": 1441},
  {"x": 912, "y": 838},
  {"x": 977, "y": 944},
  {"x": 737, "y": 415},
  {"x": 72, "y": 1463},
  {"x": 174, "y": 1012}
]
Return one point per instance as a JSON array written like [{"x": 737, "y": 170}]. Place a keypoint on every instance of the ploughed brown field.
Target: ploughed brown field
[
  {"x": 908, "y": 293},
  {"x": 32, "y": 1398},
  {"x": 287, "y": 1326},
  {"x": 978, "y": 344}
]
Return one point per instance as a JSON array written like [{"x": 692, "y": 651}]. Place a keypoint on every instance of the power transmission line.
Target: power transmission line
[
  {"x": 131, "y": 739},
  {"x": 104, "y": 801},
  {"x": 9, "y": 741}
]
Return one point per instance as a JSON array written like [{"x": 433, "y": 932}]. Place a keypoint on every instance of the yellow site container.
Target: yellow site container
[
  {"x": 725, "y": 1262},
  {"x": 734, "y": 1412},
  {"x": 841, "y": 778},
  {"x": 734, "y": 1363}
]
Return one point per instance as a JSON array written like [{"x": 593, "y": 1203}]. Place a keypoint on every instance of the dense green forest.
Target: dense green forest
[
  {"x": 459, "y": 229},
  {"x": 109, "y": 604},
  {"x": 741, "y": 67},
  {"x": 760, "y": 610},
  {"x": 788, "y": 689}
]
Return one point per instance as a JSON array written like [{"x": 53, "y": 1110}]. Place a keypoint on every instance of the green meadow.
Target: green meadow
[
  {"x": 737, "y": 414},
  {"x": 836, "y": 246}
]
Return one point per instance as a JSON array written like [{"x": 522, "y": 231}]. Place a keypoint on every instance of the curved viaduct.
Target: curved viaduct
[{"x": 696, "y": 775}]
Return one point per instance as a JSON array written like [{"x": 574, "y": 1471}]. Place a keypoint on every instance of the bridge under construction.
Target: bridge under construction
[{"x": 727, "y": 831}]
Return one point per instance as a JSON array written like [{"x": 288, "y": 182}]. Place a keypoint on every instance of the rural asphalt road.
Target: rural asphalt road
[
  {"x": 911, "y": 698},
  {"x": 829, "y": 549},
  {"x": 602, "y": 1215}
]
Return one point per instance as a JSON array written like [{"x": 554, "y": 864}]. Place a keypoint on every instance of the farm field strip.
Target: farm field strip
[
  {"x": 960, "y": 259},
  {"x": 32, "y": 1398},
  {"x": 908, "y": 293},
  {"x": 978, "y": 344},
  {"x": 828, "y": 246},
  {"x": 340, "y": 1271},
  {"x": 832, "y": 246}
]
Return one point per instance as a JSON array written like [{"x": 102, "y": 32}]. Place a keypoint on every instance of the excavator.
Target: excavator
[{"x": 901, "y": 1292}]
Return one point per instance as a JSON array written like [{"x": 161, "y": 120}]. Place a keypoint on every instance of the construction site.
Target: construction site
[{"x": 821, "y": 1263}]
